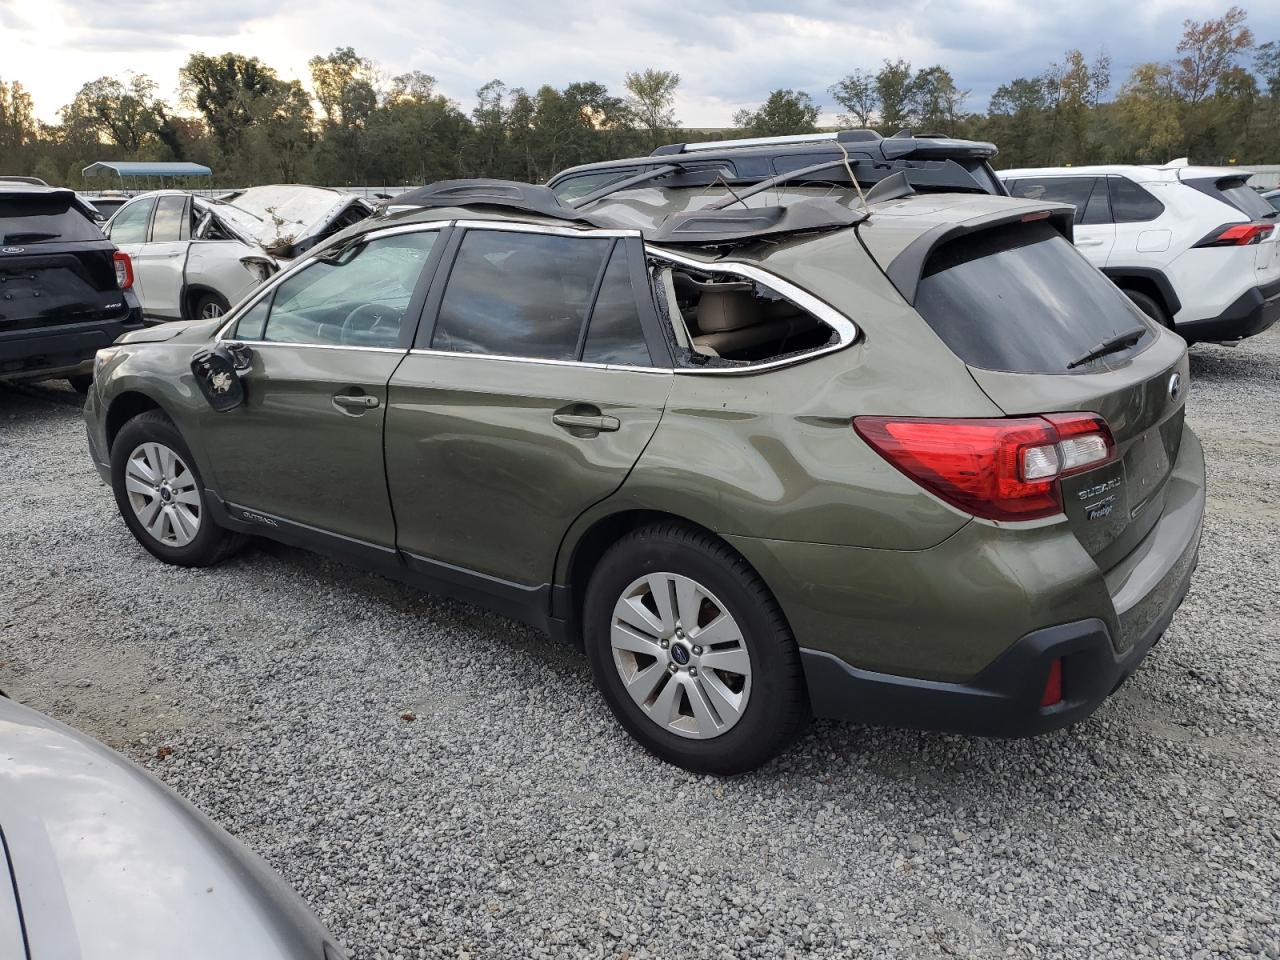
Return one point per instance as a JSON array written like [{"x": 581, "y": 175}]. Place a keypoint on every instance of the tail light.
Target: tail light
[
  {"x": 1238, "y": 235},
  {"x": 124, "y": 269},
  {"x": 999, "y": 469}
]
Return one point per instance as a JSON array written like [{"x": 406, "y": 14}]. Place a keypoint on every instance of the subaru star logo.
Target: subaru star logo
[
  {"x": 13, "y": 249},
  {"x": 1175, "y": 386}
]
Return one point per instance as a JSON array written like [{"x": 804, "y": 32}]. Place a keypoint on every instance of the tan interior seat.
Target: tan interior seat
[{"x": 734, "y": 320}]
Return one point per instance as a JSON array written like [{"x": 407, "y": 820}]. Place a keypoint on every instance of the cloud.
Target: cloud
[{"x": 729, "y": 53}]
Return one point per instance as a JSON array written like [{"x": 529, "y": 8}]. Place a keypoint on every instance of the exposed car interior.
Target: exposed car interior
[{"x": 735, "y": 319}]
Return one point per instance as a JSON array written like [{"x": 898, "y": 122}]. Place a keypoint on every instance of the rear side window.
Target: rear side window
[
  {"x": 43, "y": 218},
  {"x": 519, "y": 294},
  {"x": 1130, "y": 203},
  {"x": 130, "y": 222},
  {"x": 1022, "y": 299}
]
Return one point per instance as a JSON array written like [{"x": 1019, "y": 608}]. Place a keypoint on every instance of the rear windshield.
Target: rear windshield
[
  {"x": 1245, "y": 199},
  {"x": 1021, "y": 299},
  {"x": 48, "y": 218}
]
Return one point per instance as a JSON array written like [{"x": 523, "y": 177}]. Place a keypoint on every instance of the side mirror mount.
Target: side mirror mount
[{"x": 217, "y": 372}]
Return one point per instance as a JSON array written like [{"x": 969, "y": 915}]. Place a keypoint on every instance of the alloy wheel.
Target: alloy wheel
[
  {"x": 162, "y": 491},
  {"x": 681, "y": 655},
  {"x": 211, "y": 310}
]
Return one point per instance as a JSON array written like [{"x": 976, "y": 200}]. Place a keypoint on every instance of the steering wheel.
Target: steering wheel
[{"x": 372, "y": 323}]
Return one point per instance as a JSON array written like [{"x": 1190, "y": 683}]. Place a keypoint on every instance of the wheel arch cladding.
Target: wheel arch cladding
[
  {"x": 124, "y": 408},
  {"x": 581, "y": 552}
]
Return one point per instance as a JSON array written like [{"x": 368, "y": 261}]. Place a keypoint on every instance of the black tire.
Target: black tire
[
  {"x": 1149, "y": 306},
  {"x": 212, "y": 544},
  {"x": 777, "y": 710},
  {"x": 208, "y": 302},
  {"x": 81, "y": 382}
]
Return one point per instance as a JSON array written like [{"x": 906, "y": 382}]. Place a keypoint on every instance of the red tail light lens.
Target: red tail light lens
[
  {"x": 999, "y": 469},
  {"x": 1238, "y": 235},
  {"x": 124, "y": 269}
]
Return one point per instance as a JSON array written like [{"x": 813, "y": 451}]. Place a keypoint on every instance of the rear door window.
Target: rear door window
[
  {"x": 1080, "y": 192},
  {"x": 1022, "y": 299},
  {"x": 43, "y": 218},
  {"x": 520, "y": 294},
  {"x": 170, "y": 221},
  {"x": 615, "y": 334}
]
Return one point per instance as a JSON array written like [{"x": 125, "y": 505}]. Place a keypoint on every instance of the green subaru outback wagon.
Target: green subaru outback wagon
[{"x": 764, "y": 454}]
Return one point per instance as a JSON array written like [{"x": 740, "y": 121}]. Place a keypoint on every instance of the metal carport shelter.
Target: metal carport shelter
[{"x": 146, "y": 168}]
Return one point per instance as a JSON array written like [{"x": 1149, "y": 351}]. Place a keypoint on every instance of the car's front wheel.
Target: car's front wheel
[
  {"x": 161, "y": 497},
  {"x": 692, "y": 652}
]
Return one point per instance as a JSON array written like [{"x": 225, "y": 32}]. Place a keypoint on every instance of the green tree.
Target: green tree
[
  {"x": 1147, "y": 108},
  {"x": 225, "y": 89},
  {"x": 856, "y": 93},
  {"x": 111, "y": 112},
  {"x": 895, "y": 92},
  {"x": 785, "y": 112},
  {"x": 936, "y": 100},
  {"x": 651, "y": 96}
]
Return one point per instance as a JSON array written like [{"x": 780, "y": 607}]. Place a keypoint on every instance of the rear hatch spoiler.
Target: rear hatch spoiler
[{"x": 903, "y": 256}]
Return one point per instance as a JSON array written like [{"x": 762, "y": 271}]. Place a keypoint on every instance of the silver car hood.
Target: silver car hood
[
  {"x": 278, "y": 217},
  {"x": 109, "y": 864}
]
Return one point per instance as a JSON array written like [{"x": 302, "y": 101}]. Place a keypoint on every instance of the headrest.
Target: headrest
[{"x": 722, "y": 310}]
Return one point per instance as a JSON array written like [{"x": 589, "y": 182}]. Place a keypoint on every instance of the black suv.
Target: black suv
[
  {"x": 65, "y": 290},
  {"x": 928, "y": 162}
]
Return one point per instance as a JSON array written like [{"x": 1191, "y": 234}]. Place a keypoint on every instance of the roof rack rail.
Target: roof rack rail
[{"x": 841, "y": 136}]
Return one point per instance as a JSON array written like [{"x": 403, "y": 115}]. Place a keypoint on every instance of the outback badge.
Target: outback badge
[{"x": 215, "y": 373}]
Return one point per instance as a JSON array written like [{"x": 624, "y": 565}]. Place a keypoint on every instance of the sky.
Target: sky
[{"x": 729, "y": 53}]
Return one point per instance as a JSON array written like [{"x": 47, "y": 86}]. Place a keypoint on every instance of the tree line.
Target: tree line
[{"x": 1216, "y": 100}]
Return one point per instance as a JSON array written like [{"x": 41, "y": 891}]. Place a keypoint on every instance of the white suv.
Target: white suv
[{"x": 1194, "y": 247}]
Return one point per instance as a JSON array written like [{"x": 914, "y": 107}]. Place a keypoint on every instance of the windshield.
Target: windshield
[
  {"x": 43, "y": 218},
  {"x": 1021, "y": 299}
]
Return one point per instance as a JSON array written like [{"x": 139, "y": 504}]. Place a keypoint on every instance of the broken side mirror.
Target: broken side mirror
[{"x": 217, "y": 372}]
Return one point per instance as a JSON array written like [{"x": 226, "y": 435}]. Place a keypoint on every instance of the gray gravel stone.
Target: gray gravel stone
[{"x": 514, "y": 818}]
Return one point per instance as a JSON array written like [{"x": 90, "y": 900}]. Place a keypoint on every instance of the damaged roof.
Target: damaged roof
[{"x": 283, "y": 216}]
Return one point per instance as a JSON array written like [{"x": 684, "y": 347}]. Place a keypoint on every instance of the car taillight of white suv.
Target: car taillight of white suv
[{"x": 1195, "y": 248}]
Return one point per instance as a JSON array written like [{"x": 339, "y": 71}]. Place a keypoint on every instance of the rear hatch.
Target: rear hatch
[
  {"x": 1024, "y": 311},
  {"x": 56, "y": 267},
  {"x": 1233, "y": 190}
]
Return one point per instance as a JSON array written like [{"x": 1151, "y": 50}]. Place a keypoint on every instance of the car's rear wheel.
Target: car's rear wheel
[
  {"x": 210, "y": 306},
  {"x": 1150, "y": 307},
  {"x": 692, "y": 652},
  {"x": 161, "y": 496}
]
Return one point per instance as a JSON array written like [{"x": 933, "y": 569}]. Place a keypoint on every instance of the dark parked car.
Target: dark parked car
[
  {"x": 765, "y": 452},
  {"x": 64, "y": 287},
  {"x": 930, "y": 163}
]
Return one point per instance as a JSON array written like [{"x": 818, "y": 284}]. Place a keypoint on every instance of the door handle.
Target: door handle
[
  {"x": 576, "y": 421},
  {"x": 1090, "y": 243},
  {"x": 360, "y": 401}
]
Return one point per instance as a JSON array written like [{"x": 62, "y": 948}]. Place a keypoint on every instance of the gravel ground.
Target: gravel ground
[{"x": 512, "y": 818}]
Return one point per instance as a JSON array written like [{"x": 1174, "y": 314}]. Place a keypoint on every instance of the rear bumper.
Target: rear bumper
[
  {"x": 1254, "y": 311},
  {"x": 60, "y": 350},
  {"x": 1004, "y": 698}
]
